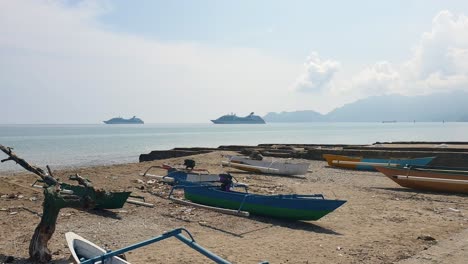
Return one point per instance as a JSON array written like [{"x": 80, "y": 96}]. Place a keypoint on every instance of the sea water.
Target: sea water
[{"x": 87, "y": 145}]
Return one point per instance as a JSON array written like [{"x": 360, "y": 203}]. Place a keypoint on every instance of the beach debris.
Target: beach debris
[
  {"x": 83, "y": 196},
  {"x": 66, "y": 215},
  {"x": 426, "y": 238},
  {"x": 33, "y": 199},
  {"x": 9, "y": 259},
  {"x": 139, "y": 181},
  {"x": 339, "y": 248},
  {"x": 151, "y": 182},
  {"x": 13, "y": 213},
  {"x": 140, "y": 203},
  {"x": 454, "y": 210}
]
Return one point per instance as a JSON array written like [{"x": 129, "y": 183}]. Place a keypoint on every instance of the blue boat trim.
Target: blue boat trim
[
  {"x": 402, "y": 162},
  {"x": 177, "y": 233}
]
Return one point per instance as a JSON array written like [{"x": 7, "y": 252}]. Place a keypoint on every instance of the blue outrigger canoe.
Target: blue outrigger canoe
[
  {"x": 214, "y": 192},
  {"x": 290, "y": 206}
]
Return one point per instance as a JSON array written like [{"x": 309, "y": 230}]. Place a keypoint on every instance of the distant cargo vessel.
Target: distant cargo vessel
[
  {"x": 233, "y": 119},
  {"x": 120, "y": 120}
]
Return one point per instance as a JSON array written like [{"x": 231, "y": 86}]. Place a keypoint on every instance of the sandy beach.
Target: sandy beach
[{"x": 381, "y": 222}]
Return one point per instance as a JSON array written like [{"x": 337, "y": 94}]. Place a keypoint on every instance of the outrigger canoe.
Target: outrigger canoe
[
  {"x": 102, "y": 199},
  {"x": 290, "y": 206},
  {"x": 280, "y": 167},
  {"x": 82, "y": 249},
  {"x": 176, "y": 176},
  {"x": 360, "y": 163},
  {"x": 436, "y": 179},
  {"x": 86, "y": 252}
]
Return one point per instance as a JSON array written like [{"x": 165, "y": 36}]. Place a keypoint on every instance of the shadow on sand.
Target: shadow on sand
[
  {"x": 296, "y": 225},
  {"x": 414, "y": 191},
  {"x": 104, "y": 213},
  {"x": 12, "y": 259},
  {"x": 413, "y": 194},
  {"x": 19, "y": 260}
]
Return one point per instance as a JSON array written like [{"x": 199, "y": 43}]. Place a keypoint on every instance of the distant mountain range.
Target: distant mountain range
[{"x": 448, "y": 107}]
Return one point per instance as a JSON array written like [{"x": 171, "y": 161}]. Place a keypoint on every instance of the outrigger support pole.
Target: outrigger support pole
[{"x": 173, "y": 233}]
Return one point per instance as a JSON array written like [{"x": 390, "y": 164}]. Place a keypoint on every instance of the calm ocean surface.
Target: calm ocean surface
[{"x": 84, "y": 145}]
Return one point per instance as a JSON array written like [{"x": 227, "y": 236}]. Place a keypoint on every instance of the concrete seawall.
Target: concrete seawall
[{"x": 451, "y": 154}]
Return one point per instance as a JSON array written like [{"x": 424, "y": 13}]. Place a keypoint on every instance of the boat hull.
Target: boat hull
[
  {"x": 103, "y": 200},
  {"x": 238, "y": 122},
  {"x": 81, "y": 248},
  {"x": 122, "y": 123},
  {"x": 194, "y": 178},
  {"x": 292, "y": 207},
  {"x": 360, "y": 163},
  {"x": 272, "y": 167},
  {"x": 428, "y": 180}
]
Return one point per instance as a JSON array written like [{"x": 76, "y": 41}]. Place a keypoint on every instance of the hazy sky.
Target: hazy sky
[{"x": 191, "y": 61}]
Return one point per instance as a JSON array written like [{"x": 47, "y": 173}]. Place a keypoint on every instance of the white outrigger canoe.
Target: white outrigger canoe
[
  {"x": 82, "y": 249},
  {"x": 280, "y": 167}
]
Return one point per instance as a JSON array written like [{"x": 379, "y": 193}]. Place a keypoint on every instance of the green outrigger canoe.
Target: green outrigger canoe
[
  {"x": 101, "y": 199},
  {"x": 284, "y": 206}
]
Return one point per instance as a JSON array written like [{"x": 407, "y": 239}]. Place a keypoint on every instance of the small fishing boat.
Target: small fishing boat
[
  {"x": 175, "y": 175},
  {"x": 438, "y": 179},
  {"x": 82, "y": 249},
  {"x": 280, "y": 167},
  {"x": 285, "y": 206},
  {"x": 360, "y": 163},
  {"x": 102, "y": 199}
]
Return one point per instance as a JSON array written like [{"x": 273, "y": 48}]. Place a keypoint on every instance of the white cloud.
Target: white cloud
[
  {"x": 380, "y": 78},
  {"x": 439, "y": 63},
  {"x": 317, "y": 74},
  {"x": 59, "y": 64}
]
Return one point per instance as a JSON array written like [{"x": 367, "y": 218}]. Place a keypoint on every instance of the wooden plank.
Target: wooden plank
[{"x": 139, "y": 203}]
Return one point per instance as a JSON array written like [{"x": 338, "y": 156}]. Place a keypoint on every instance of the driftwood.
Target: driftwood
[
  {"x": 38, "y": 171},
  {"x": 54, "y": 200}
]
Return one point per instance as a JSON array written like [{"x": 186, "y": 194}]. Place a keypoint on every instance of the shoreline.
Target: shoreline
[{"x": 380, "y": 223}]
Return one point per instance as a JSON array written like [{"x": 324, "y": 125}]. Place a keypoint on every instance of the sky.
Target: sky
[{"x": 191, "y": 61}]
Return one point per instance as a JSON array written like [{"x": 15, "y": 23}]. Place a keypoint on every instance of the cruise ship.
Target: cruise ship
[
  {"x": 233, "y": 119},
  {"x": 120, "y": 120}
]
